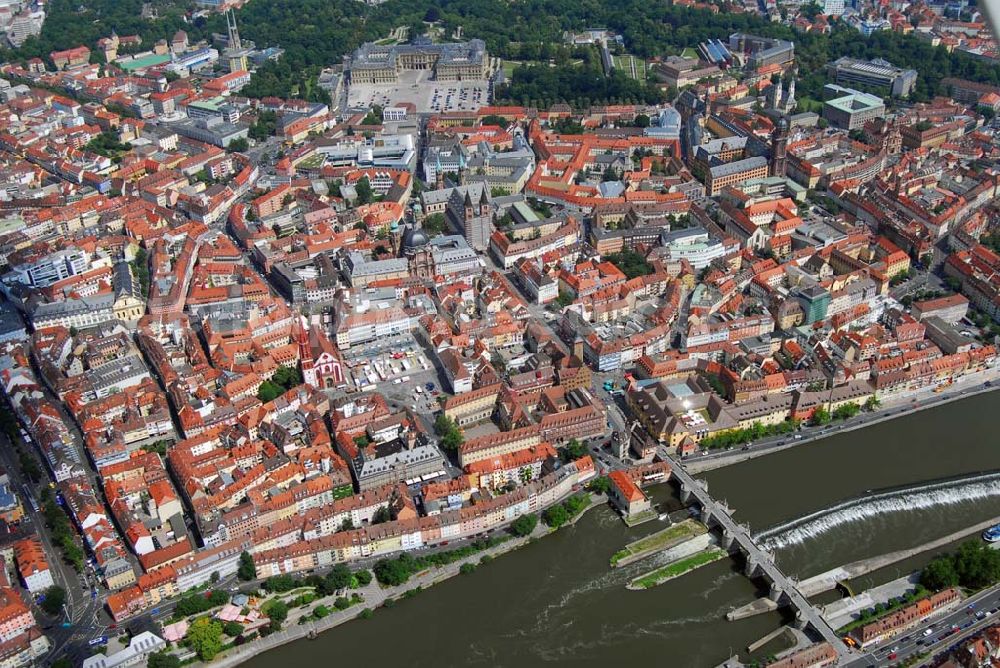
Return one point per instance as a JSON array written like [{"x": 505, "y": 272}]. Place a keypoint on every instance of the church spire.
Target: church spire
[{"x": 234, "y": 32}]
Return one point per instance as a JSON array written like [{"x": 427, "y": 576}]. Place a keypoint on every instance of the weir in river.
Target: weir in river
[{"x": 925, "y": 495}]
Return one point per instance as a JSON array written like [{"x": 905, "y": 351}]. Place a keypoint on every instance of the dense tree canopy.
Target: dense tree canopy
[
  {"x": 204, "y": 636},
  {"x": 973, "y": 565},
  {"x": 579, "y": 85},
  {"x": 318, "y": 33}
]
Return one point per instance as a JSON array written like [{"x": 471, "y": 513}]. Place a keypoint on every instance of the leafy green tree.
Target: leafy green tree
[
  {"x": 846, "y": 411},
  {"x": 977, "y": 565},
  {"x": 191, "y": 604},
  {"x": 493, "y": 119},
  {"x": 232, "y": 629},
  {"x": 939, "y": 574},
  {"x": 364, "y": 190},
  {"x": 278, "y": 584},
  {"x": 163, "y": 659},
  {"x": 269, "y": 391},
  {"x": 339, "y": 577},
  {"x": 55, "y": 597},
  {"x": 247, "y": 570},
  {"x": 631, "y": 263},
  {"x": 574, "y": 449},
  {"x": 287, "y": 377},
  {"x": 204, "y": 636},
  {"x": 264, "y": 126},
  {"x": 374, "y": 117},
  {"x": 466, "y": 568},
  {"x": 600, "y": 485},
  {"x": 524, "y": 525},
  {"x": 434, "y": 224},
  {"x": 382, "y": 514},
  {"x": 59, "y": 527},
  {"x": 341, "y": 603},
  {"x": 276, "y": 610},
  {"x": 394, "y": 572},
  {"x": 821, "y": 416},
  {"x": 555, "y": 516},
  {"x": 450, "y": 433},
  {"x": 364, "y": 578},
  {"x": 216, "y": 598}
]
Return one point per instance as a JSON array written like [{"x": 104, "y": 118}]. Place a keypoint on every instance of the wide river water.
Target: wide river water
[{"x": 557, "y": 602}]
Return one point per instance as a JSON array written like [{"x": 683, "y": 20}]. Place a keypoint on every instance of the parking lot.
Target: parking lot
[
  {"x": 426, "y": 95},
  {"x": 398, "y": 367},
  {"x": 387, "y": 361}
]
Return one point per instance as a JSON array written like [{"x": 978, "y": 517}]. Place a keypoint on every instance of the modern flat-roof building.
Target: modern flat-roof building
[
  {"x": 374, "y": 64},
  {"x": 850, "y": 109},
  {"x": 877, "y": 73},
  {"x": 211, "y": 130}
]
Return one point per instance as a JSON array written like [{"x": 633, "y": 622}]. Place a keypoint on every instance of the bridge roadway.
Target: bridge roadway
[{"x": 759, "y": 562}]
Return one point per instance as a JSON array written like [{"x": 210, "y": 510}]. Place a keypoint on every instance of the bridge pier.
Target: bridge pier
[
  {"x": 707, "y": 517},
  {"x": 728, "y": 540},
  {"x": 776, "y": 592},
  {"x": 686, "y": 494},
  {"x": 759, "y": 562}
]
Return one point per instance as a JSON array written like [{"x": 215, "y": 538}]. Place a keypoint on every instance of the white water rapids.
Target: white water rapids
[{"x": 952, "y": 492}]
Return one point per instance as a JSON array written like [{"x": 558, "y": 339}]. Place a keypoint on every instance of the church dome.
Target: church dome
[{"x": 414, "y": 237}]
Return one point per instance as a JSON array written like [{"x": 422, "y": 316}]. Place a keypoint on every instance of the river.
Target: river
[{"x": 556, "y": 601}]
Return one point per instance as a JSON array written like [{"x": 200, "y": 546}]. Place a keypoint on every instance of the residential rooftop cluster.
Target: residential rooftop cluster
[{"x": 317, "y": 334}]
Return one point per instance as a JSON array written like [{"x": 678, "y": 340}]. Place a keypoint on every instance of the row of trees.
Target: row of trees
[
  {"x": 398, "y": 570},
  {"x": 845, "y": 412},
  {"x": 339, "y": 577},
  {"x": 140, "y": 267},
  {"x": 754, "y": 432},
  {"x": 194, "y": 604},
  {"x": 61, "y": 532},
  {"x": 561, "y": 513}
]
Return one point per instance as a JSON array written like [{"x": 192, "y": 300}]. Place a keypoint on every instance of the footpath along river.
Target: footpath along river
[{"x": 557, "y": 602}]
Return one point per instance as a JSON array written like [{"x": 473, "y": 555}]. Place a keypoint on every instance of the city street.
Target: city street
[
  {"x": 86, "y": 617},
  {"x": 946, "y": 631}
]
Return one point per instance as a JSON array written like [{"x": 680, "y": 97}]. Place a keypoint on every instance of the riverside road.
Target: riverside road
[{"x": 557, "y": 601}]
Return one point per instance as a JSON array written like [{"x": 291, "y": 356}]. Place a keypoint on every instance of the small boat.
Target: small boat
[{"x": 992, "y": 534}]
